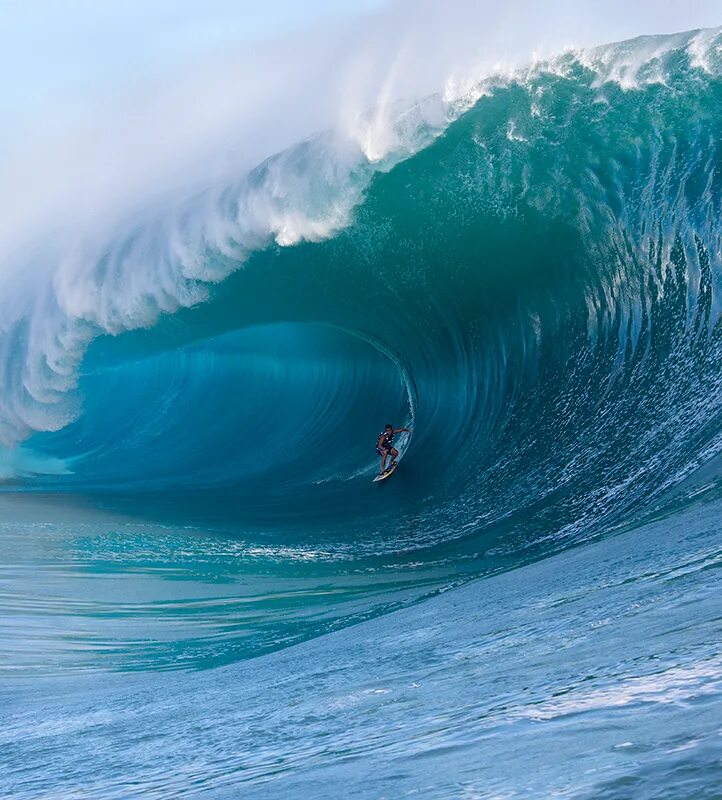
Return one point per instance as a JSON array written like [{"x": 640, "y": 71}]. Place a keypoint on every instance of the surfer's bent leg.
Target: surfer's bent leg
[
  {"x": 383, "y": 454},
  {"x": 394, "y": 455}
]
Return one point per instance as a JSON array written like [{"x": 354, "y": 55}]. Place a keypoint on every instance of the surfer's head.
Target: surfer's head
[{"x": 388, "y": 427}]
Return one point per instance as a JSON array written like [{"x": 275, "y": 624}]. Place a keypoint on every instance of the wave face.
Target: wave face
[
  {"x": 531, "y": 282},
  {"x": 525, "y": 286}
]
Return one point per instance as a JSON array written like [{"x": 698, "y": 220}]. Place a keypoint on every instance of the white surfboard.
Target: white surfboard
[{"x": 387, "y": 473}]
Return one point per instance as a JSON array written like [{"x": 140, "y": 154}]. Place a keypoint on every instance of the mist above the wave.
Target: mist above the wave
[{"x": 114, "y": 149}]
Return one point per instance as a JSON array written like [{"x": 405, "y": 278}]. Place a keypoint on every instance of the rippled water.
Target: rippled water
[{"x": 595, "y": 673}]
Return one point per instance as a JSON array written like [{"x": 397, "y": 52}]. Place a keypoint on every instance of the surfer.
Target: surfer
[{"x": 384, "y": 445}]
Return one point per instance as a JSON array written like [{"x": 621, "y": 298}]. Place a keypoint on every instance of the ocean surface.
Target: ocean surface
[{"x": 202, "y": 593}]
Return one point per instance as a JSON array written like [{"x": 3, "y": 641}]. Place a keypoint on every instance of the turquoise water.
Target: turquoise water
[
  {"x": 201, "y": 589},
  {"x": 595, "y": 673}
]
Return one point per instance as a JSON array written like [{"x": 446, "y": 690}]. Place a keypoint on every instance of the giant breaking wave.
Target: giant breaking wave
[{"x": 527, "y": 271}]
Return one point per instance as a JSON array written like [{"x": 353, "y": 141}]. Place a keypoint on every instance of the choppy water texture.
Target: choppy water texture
[{"x": 202, "y": 592}]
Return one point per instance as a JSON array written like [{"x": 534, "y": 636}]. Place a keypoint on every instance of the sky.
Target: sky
[{"x": 68, "y": 46}]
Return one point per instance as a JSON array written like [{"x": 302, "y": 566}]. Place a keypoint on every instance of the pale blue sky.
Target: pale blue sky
[{"x": 50, "y": 46}]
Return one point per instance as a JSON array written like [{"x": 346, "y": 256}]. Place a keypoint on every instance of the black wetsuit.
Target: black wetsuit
[{"x": 387, "y": 437}]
